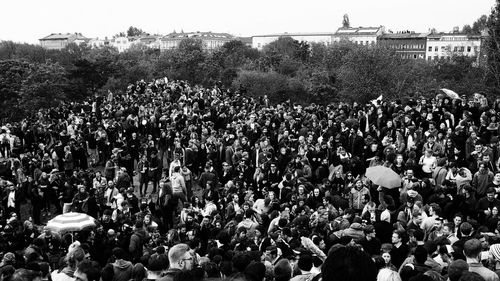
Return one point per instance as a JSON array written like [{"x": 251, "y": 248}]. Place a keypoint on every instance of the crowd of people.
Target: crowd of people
[{"x": 193, "y": 183}]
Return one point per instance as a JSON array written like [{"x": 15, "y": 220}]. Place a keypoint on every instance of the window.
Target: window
[
  {"x": 414, "y": 56},
  {"x": 455, "y": 49},
  {"x": 356, "y": 42},
  {"x": 429, "y": 58},
  {"x": 367, "y": 43},
  {"x": 469, "y": 49},
  {"x": 436, "y": 58},
  {"x": 430, "y": 48},
  {"x": 462, "y": 49},
  {"x": 436, "y": 49}
]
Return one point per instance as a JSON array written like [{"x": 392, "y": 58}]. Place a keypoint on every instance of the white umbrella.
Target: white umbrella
[
  {"x": 450, "y": 93},
  {"x": 71, "y": 222},
  {"x": 383, "y": 176}
]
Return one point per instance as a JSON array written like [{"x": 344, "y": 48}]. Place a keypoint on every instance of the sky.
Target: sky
[{"x": 30, "y": 20}]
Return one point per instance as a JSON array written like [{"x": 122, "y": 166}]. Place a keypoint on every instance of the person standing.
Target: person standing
[
  {"x": 154, "y": 169},
  {"x": 178, "y": 187},
  {"x": 12, "y": 199},
  {"x": 399, "y": 250},
  {"x": 137, "y": 241},
  {"x": 165, "y": 204},
  {"x": 68, "y": 161},
  {"x": 143, "y": 167}
]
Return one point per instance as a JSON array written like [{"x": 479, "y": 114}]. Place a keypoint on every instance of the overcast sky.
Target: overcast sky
[{"x": 30, "y": 20}]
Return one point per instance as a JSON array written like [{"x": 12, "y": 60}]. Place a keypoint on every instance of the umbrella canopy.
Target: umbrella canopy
[
  {"x": 71, "y": 222},
  {"x": 383, "y": 176},
  {"x": 450, "y": 93}
]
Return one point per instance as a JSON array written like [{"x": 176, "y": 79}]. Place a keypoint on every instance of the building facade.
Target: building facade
[
  {"x": 259, "y": 41},
  {"x": 122, "y": 43},
  {"x": 445, "y": 45},
  {"x": 358, "y": 35},
  {"x": 408, "y": 45},
  {"x": 211, "y": 40},
  {"x": 59, "y": 41}
]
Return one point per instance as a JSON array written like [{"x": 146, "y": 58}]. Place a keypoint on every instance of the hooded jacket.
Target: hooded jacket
[
  {"x": 137, "y": 241},
  {"x": 122, "y": 270}
]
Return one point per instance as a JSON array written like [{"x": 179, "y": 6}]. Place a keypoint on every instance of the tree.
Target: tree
[
  {"x": 367, "y": 73},
  {"x": 7, "y": 49},
  {"x": 235, "y": 54},
  {"x": 257, "y": 84},
  {"x": 134, "y": 31},
  {"x": 43, "y": 87},
  {"x": 186, "y": 62},
  {"x": 480, "y": 24},
  {"x": 477, "y": 27},
  {"x": 345, "y": 21},
  {"x": 492, "y": 46},
  {"x": 12, "y": 75},
  {"x": 467, "y": 29}
]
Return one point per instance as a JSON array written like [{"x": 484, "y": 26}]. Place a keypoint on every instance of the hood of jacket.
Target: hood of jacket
[{"x": 122, "y": 264}]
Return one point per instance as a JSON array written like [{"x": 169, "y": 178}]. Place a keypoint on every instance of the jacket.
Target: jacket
[
  {"x": 481, "y": 180},
  {"x": 178, "y": 184},
  {"x": 122, "y": 270},
  {"x": 137, "y": 241},
  {"x": 356, "y": 197}
]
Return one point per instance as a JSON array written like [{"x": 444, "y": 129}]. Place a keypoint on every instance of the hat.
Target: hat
[
  {"x": 9, "y": 257},
  {"x": 357, "y": 226},
  {"x": 493, "y": 126},
  {"x": 412, "y": 194},
  {"x": 495, "y": 251}
]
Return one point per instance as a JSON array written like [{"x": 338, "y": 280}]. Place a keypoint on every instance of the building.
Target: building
[
  {"x": 122, "y": 43},
  {"x": 445, "y": 45},
  {"x": 98, "y": 43},
  {"x": 408, "y": 45},
  {"x": 59, "y": 41},
  {"x": 358, "y": 35},
  {"x": 259, "y": 41},
  {"x": 151, "y": 41},
  {"x": 211, "y": 40}
]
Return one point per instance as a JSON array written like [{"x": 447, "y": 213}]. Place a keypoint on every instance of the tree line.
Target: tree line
[{"x": 32, "y": 77}]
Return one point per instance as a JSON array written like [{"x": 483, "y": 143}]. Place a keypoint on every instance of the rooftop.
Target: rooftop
[
  {"x": 63, "y": 36},
  {"x": 407, "y": 35},
  {"x": 296, "y": 34},
  {"x": 358, "y": 30},
  {"x": 208, "y": 34},
  {"x": 442, "y": 34}
]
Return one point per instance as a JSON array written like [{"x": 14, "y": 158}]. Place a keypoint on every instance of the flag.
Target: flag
[{"x": 375, "y": 101}]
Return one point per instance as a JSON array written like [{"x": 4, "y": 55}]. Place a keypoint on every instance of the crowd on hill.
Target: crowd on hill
[{"x": 193, "y": 183}]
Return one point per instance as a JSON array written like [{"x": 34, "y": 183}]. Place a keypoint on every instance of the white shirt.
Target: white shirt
[
  {"x": 428, "y": 163},
  {"x": 11, "y": 201}
]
